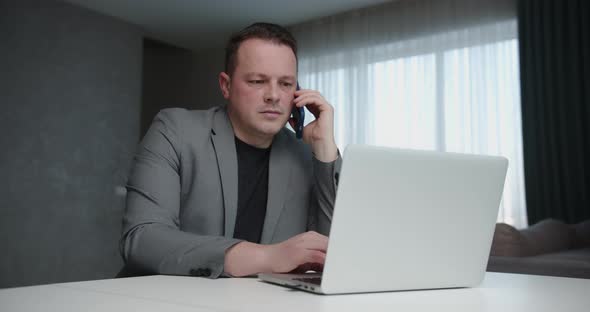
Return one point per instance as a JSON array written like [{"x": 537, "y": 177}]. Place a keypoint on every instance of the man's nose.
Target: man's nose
[{"x": 272, "y": 93}]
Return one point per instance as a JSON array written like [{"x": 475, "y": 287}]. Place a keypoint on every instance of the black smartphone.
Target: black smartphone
[{"x": 298, "y": 115}]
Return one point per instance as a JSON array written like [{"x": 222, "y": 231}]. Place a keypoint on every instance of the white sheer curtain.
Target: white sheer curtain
[{"x": 423, "y": 74}]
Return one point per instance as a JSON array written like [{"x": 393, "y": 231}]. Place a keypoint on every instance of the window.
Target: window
[{"x": 431, "y": 93}]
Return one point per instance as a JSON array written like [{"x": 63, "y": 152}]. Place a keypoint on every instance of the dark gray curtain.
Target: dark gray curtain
[{"x": 554, "y": 38}]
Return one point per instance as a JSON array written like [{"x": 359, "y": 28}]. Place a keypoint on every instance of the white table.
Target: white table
[{"x": 498, "y": 292}]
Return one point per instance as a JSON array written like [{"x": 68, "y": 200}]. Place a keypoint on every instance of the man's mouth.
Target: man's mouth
[{"x": 271, "y": 112}]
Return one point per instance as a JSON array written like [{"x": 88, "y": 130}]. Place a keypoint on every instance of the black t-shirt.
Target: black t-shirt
[{"x": 252, "y": 191}]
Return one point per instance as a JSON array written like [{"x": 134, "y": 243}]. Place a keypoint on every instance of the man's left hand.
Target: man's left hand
[{"x": 320, "y": 132}]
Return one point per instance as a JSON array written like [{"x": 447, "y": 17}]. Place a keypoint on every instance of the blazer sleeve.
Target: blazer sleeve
[
  {"x": 325, "y": 185},
  {"x": 152, "y": 240}
]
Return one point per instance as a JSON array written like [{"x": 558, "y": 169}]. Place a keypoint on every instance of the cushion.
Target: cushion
[
  {"x": 548, "y": 236},
  {"x": 508, "y": 242},
  {"x": 582, "y": 230}
]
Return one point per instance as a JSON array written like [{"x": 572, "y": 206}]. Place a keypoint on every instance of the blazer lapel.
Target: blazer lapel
[
  {"x": 278, "y": 177},
  {"x": 222, "y": 136}
]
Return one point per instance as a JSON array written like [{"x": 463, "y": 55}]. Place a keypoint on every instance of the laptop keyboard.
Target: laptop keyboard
[{"x": 311, "y": 280}]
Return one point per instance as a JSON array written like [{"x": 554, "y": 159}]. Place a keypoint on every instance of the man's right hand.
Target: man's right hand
[
  {"x": 306, "y": 250},
  {"x": 299, "y": 253}
]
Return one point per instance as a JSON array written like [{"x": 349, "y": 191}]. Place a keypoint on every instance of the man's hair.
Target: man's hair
[{"x": 265, "y": 31}]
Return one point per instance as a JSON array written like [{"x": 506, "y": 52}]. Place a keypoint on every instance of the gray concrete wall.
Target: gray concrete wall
[
  {"x": 175, "y": 77},
  {"x": 70, "y": 92},
  {"x": 208, "y": 64}
]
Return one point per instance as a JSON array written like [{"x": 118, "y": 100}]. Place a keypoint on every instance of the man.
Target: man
[{"x": 230, "y": 190}]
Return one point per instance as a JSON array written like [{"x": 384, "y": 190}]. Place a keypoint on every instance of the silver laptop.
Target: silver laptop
[{"x": 407, "y": 220}]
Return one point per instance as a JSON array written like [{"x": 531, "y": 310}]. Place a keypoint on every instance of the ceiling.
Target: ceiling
[{"x": 199, "y": 24}]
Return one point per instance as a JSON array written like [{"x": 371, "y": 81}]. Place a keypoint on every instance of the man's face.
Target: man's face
[{"x": 261, "y": 88}]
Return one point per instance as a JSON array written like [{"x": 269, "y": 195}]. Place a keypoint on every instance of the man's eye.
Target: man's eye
[
  {"x": 287, "y": 84},
  {"x": 256, "y": 81}
]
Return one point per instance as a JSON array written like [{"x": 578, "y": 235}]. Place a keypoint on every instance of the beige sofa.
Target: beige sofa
[{"x": 549, "y": 247}]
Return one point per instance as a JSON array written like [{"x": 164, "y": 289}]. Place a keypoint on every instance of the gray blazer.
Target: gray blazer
[{"x": 182, "y": 194}]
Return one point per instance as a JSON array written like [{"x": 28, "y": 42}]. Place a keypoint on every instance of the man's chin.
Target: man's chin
[{"x": 271, "y": 130}]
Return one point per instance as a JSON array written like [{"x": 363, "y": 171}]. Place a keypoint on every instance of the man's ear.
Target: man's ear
[{"x": 224, "y": 84}]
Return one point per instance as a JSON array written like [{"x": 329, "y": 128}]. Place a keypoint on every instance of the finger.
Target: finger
[
  {"x": 304, "y": 268},
  {"x": 317, "y": 267},
  {"x": 309, "y": 239},
  {"x": 314, "y": 110},
  {"x": 298, "y": 270},
  {"x": 316, "y": 105},
  {"x": 306, "y": 98},
  {"x": 317, "y": 236},
  {"x": 305, "y": 91},
  {"x": 311, "y": 106},
  {"x": 315, "y": 256},
  {"x": 316, "y": 244}
]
